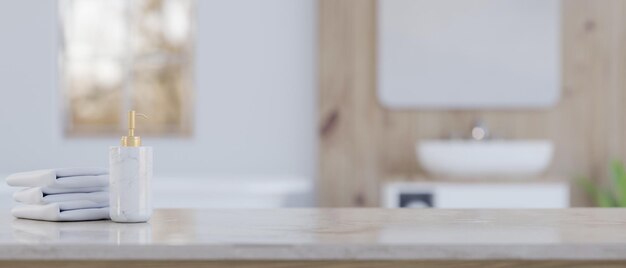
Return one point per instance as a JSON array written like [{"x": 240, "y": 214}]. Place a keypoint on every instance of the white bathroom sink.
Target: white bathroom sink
[{"x": 479, "y": 159}]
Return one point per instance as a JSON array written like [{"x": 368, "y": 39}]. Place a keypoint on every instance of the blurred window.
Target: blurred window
[{"x": 117, "y": 55}]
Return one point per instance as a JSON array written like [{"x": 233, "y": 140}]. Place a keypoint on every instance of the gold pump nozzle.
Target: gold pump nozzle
[{"x": 131, "y": 140}]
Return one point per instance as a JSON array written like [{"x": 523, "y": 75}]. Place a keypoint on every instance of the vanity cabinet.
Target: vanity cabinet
[{"x": 476, "y": 195}]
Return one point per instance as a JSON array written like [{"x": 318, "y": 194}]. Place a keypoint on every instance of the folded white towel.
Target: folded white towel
[
  {"x": 77, "y": 204},
  {"x": 53, "y": 212},
  {"x": 37, "y": 196},
  {"x": 61, "y": 178},
  {"x": 53, "y": 190}
]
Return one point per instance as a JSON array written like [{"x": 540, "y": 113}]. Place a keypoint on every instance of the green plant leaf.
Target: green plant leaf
[
  {"x": 588, "y": 186},
  {"x": 605, "y": 199},
  {"x": 599, "y": 197},
  {"x": 619, "y": 180}
]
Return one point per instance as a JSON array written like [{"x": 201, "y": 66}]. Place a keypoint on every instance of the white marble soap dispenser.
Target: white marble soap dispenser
[{"x": 130, "y": 172}]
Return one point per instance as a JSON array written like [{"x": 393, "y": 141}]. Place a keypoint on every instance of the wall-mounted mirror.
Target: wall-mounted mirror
[{"x": 469, "y": 54}]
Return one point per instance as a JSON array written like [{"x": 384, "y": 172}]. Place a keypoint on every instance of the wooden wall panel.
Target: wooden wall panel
[{"x": 362, "y": 143}]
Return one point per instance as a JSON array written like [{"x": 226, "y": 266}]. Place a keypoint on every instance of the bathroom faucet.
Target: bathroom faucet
[{"x": 480, "y": 131}]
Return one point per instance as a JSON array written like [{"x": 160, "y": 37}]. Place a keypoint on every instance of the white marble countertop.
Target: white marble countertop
[{"x": 327, "y": 234}]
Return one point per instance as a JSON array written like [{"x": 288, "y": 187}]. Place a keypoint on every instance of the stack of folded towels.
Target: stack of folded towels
[{"x": 65, "y": 194}]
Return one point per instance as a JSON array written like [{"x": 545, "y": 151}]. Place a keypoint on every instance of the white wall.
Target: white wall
[{"x": 255, "y": 89}]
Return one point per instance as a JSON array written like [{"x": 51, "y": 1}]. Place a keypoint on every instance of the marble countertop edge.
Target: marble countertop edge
[{"x": 315, "y": 252}]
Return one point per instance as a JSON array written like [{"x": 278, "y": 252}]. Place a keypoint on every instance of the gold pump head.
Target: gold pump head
[{"x": 131, "y": 140}]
